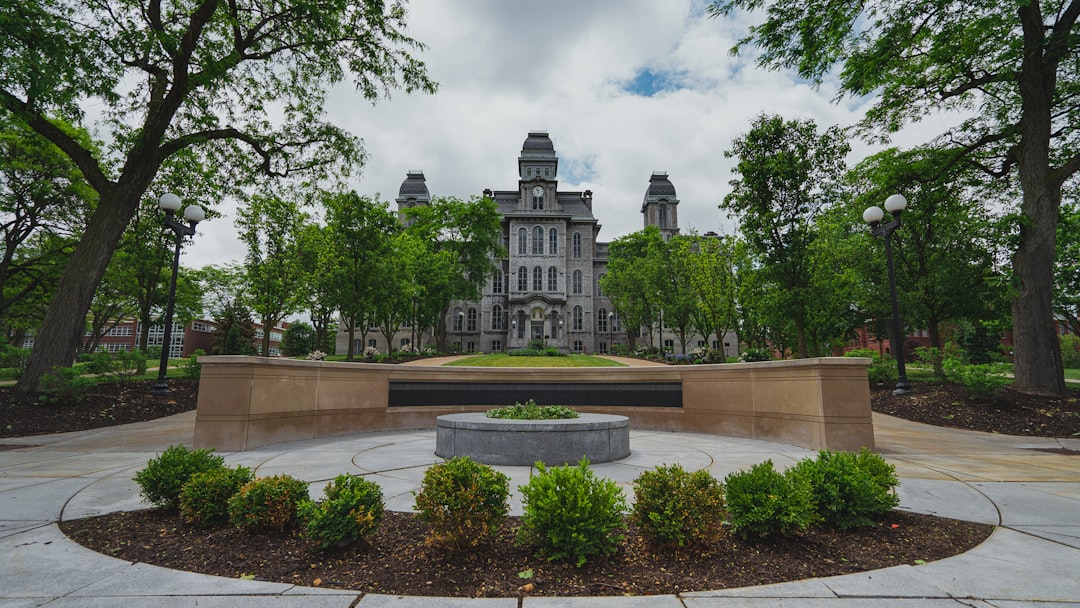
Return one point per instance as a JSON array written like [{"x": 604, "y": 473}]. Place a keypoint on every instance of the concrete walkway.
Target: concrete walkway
[{"x": 1033, "y": 559}]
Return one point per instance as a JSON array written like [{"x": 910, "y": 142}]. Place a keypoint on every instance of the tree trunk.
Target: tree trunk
[
  {"x": 800, "y": 339},
  {"x": 1037, "y": 365},
  {"x": 64, "y": 324}
]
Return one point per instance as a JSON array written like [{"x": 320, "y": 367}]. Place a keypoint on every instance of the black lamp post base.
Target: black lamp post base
[
  {"x": 902, "y": 388},
  {"x": 160, "y": 387}
]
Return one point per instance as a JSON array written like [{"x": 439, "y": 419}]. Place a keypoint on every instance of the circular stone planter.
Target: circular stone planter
[{"x": 598, "y": 437}]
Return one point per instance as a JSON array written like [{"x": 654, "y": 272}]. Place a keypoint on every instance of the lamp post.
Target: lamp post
[
  {"x": 170, "y": 204},
  {"x": 461, "y": 331},
  {"x": 611, "y": 332},
  {"x": 895, "y": 205}
]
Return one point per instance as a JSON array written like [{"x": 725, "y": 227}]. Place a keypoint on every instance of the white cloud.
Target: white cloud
[{"x": 506, "y": 68}]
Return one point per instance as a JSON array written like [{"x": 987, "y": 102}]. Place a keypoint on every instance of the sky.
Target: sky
[{"x": 623, "y": 87}]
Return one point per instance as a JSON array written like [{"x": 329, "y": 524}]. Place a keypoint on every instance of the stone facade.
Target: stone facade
[{"x": 548, "y": 288}]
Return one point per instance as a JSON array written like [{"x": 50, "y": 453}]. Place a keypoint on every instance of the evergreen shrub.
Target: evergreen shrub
[
  {"x": 204, "y": 499},
  {"x": 352, "y": 509},
  {"x": 267, "y": 503},
  {"x": 762, "y": 502},
  {"x": 462, "y": 502},
  {"x": 570, "y": 514},
  {"x": 850, "y": 490},
  {"x": 674, "y": 507},
  {"x": 164, "y": 476}
]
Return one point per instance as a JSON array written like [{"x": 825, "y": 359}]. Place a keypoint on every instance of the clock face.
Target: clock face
[{"x": 538, "y": 191}]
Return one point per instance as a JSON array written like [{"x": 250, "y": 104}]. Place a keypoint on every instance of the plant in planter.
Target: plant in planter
[{"x": 531, "y": 411}]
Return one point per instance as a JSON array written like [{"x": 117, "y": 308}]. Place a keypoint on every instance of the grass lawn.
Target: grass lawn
[
  {"x": 503, "y": 360},
  {"x": 1072, "y": 374}
]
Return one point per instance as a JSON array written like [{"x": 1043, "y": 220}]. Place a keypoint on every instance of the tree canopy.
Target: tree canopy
[
  {"x": 242, "y": 83},
  {"x": 1007, "y": 69}
]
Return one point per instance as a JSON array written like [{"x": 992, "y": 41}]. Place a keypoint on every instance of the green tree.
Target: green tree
[
  {"x": 711, "y": 264},
  {"x": 944, "y": 249},
  {"x": 1067, "y": 268},
  {"x": 234, "y": 332},
  {"x": 204, "y": 76},
  {"x": 678, "y": 300},
  {"x": 299, "y": 340},
  {"x": 43, "y": 202},
  {"x": 464, "y": 236},
  {"x": 787, "y": 175},
  {"x": 1009, "y": 71},
  {"x": 630, "y": 282},
  {"x": 271, "y": 228},
  {"x": 359, "y": 237},
  {"x": 318, "y": 267}
]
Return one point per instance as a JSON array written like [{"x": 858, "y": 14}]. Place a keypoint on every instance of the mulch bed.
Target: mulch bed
[
  {"x": 397, "y": 560},
  {"x": 1007, "y": 411},
  {"x": 105, "y": 404}
]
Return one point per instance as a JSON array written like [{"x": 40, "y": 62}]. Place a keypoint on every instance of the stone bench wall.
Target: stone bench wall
[{"x": 247, "y": 402}]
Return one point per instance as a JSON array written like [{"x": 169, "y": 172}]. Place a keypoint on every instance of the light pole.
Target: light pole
[
  {"x": 170, "y": 204},
  {"x": 611, "y": 332},
  {"x": 461, "y": 331},
  {"x": 895, "y": 205}
]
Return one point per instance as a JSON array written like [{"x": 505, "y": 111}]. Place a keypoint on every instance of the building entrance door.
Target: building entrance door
[{"x": 537, "y": 330}]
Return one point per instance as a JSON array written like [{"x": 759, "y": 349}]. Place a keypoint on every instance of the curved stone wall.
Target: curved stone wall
[
  {"x": 247, "y": 402},
  {"x": 597, "y": 437}
]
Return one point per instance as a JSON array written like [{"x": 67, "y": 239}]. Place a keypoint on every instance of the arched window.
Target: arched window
[
  {"x": 662, "y": 213},
  {"x": 579, "y": 318},
  {"x": 553, "y": 279},
  {"x": 523, "y": 279},
  {"x": 553, "y": 241},
  {"x": 523, "y": 241},
  {"x": 538, "y": 278},
  {"x": 457, "y": 316},
  {"x": 601, "y": 320},
  {"x": 470, "y": 320},
  {"x": 538, "y": 241},
  {"x": 615, "y": 323},
  {"x": 577, "y": 282},
  {"x": 497, "y": 282},
  {"x": 577, "y": 245},
  {"x": 521, "y": 324},
  {"x": 496, "y": 317},
  {"x": 537, "y": 199}
]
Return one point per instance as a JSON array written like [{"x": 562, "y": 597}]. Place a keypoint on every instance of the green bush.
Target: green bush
[
  {"x": 882, "y": 369},
  {"x": 204, "y": 499},
  {"x": 267, "y": 503},
  {"x": 14, "y": 357},
  {"x": 763, "y": 502},
  {"x": 352, "y": 509},
  {"x": 672, "y": 506},
  {"x": 1070, "y": 351},
  {"x": 98, "y": 363},
  {"x": 531, "y": 411},
  {"x": 980, "y": 380},
  {"x": 570, "y": 514},
  {"x": 850, "y": 490},
  {"x": 63, "y": 385},
  {"x": 462, "y": 502},
  {"x": 164, "y": 476},
  {"x": 128, "y": 364},
  {"x": 191, "y": 366}
]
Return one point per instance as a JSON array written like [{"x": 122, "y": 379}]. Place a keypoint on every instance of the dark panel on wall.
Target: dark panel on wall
[{"x": 645, "y": 394}]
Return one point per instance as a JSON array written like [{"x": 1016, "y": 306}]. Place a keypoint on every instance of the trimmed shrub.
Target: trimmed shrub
[
  {"x": 674, "y": 507},
  {"x": 751, "y": 355},
  {"x": 204, "y": 499},
  {"x": 763, "y": 502},
  {"x": 164, "y": 476},
  {"x": 267, "y": 503},
  {"x": 882, "y": 369},
  {"x": 570, "y": 514},
  {"x": 462, "y": 502},
  {"x": 63, "y": 385},
  {"x": 980, "y": 380},
  {"x": 191, "y": 366},
  {"x": 1070, "y": 351},
  {"x": 531, "y": 411},
  {"x": 850, "y": 490},
  {"x": 352, "y": 509}
]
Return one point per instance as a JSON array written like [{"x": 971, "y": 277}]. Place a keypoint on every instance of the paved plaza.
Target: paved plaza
[{"x": 1033, "y": 559}]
